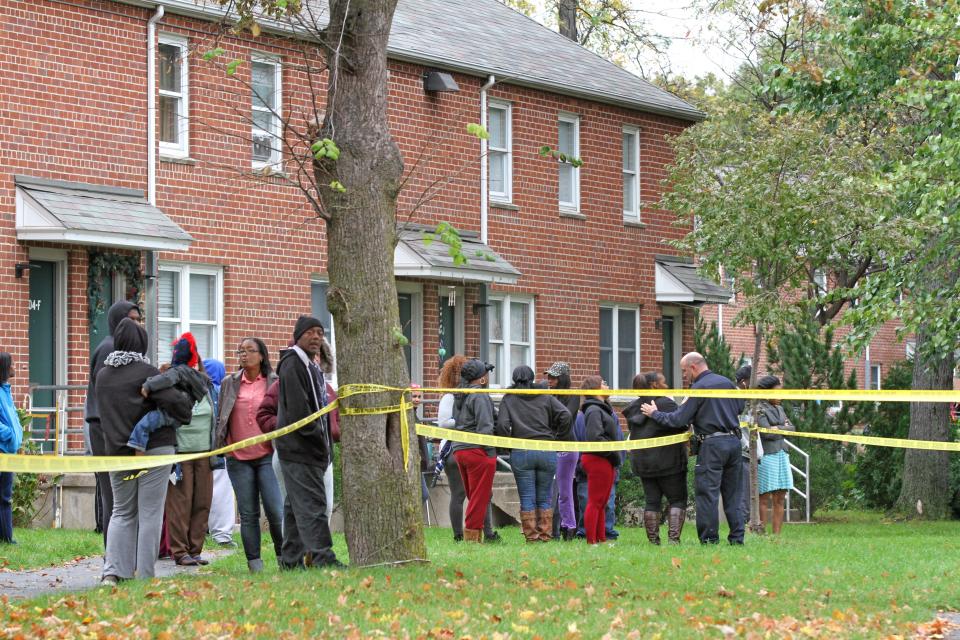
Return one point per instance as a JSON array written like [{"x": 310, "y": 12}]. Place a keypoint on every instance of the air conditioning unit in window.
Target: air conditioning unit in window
[{"x": 263, "y": 146}]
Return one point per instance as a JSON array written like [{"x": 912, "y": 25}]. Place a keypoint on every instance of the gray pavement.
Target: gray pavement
[{"x": 79, "y": 575}]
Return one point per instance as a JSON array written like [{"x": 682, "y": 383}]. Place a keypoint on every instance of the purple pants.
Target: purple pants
[{"x": 566, "y": 467}]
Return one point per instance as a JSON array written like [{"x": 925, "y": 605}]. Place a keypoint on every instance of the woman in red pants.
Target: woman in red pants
[
  {"x": 601, "y": 426},
  {"x": 474, "y": 412}
]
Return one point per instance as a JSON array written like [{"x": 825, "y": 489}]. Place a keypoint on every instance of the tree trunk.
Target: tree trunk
[
  {"x": 925, "y": 492},
  {"x": 381, "y": 505},
  {"x": 567, "y": 15}
]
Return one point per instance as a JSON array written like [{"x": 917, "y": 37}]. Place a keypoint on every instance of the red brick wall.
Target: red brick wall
[{"x": 74, "y": 108}]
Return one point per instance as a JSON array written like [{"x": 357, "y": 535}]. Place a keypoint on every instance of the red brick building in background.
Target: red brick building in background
[{"x": 579, "y": 269}]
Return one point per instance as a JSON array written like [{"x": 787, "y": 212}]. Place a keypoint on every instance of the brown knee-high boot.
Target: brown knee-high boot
[
  {"x": 528, "y": 525},
  {"x": 545, "y": 525},
  {"x": 473, "y": 535},
  {"x": 651, "y": 521},
  {"x": 675, "y": 519}
]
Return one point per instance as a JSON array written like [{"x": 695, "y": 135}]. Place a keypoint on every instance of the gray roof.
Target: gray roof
[
  {"x": 483, "y": 263},
  {"x": 97, "y": 214},
  {"x": 485, "y": 37},
  {"x": 704, "y": 290}
]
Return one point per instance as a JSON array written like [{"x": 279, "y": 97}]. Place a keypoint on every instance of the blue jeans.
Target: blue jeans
[
  {"x": 149, "y": 423},
  {"x": 6, "y": 506},
  {"x": 254, "y": 481},
  {"x": 534, "y": 471}
]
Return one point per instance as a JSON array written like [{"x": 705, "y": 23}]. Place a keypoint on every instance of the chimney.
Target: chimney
[{"x": 567, "y": 12}]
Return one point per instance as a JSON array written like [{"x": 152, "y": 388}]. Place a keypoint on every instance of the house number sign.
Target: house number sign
[{"x": 35, "y": 305}]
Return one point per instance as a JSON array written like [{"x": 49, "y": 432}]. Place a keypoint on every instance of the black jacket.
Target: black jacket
[
  {"x": 185, "y": 378},
  {"x": 708, "y": 415},
  {"x": 311, "y": 443},
  {"x": 601, "y": 426},
  {"x": 659, "y": 461},
  {"x": 474, "y": 412},
  {"x": 533, "y": 418},
  {"x": 122, "y": 406},
  {"x": 117, "y": 312}
]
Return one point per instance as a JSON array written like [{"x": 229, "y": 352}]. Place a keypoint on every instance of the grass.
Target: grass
[
  {"x": 857, "y": 576},
  {"x": 39, "y": 548}
]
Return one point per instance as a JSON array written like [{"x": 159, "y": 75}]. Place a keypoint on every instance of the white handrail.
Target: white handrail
[{"x": 805, "y": 494}]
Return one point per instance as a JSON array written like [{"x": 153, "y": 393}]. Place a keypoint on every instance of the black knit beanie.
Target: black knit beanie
[{"x": 304, "y": 324}]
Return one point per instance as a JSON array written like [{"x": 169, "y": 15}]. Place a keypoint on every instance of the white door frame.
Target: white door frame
[
  {"x": 415, "y": 290},
  {"x": 58, "y": 257}
]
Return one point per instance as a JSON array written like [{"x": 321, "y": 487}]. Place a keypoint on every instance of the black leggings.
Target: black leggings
[{"x": 674, "y": 487}]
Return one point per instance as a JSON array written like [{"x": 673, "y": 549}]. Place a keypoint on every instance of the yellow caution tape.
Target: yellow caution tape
[
  {"x": 900, "y": 443},
  {"x": 90, "y": 464},
  {"x": 832, "y": 395},
  {"x": 502, "y": 442}
]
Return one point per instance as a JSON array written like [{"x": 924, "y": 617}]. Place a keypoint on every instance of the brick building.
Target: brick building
[{"x": 580, "y": 268}]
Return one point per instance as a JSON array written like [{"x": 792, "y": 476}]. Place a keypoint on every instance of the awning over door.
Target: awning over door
[
  {"x": 677, "y": 281},
  {"x": 417, "y": 257},
  {"x": 80, "y": 213}
]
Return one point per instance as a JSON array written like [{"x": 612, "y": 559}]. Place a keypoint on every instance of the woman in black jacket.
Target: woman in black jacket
[
  {"x": 601, "y": 425},
  {"x": 134, "y": 538},
  {"x": 663, "y": 470},
  {"x": 533, "y": 417}
]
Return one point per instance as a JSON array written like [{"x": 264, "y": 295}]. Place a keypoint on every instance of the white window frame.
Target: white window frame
[
  {"x": 505, "y": 370},
  {"x": 574, "y": 205},
  {"x": 505, "y": 196},
  {"x": 329, "y": 332},
  {"x": 276, "y": 159},
  {"x": 616, "y": 308},
  {"x": 415, "y": 291},
  {"x": 183, "y": 293},
  {"x": 181, "y": 149},
  {"x": 634, "y": 215}
]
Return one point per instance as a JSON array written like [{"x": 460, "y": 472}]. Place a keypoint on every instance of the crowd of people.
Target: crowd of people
[
  {"x": 580, "y": 486},
  {"x": 192, "y": 405}
]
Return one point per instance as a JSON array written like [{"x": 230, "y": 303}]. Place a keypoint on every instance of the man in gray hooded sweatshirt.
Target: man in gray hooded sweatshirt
[{"x": 94, "y": 435}]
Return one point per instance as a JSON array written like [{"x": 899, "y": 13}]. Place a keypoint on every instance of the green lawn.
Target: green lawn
[
  {"x": 853, "y": 576},
  {"x": 38, "y": 548}
]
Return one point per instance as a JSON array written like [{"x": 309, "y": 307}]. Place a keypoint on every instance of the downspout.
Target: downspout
[
  {"x": 484, "y": 213},
  {"x": 150, "y": 257},
  {"x": 484, "y": 179}
]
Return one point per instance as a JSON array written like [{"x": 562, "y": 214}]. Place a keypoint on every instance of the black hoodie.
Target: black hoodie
[
  {"x": 310, "y": 444},
  {"x": 601, "y": 426},
  {"x": 117, "y": 312},
  {"x": 122, "y": 406},
  {"x": 533, "y": 417},
  {"x": 659, "y": 461}
]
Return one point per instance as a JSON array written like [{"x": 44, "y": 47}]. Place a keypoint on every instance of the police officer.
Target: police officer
[{"x": 716, "y": 427}]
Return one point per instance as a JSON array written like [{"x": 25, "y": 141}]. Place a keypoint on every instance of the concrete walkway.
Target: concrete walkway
[{"x": 79, "y": 575}]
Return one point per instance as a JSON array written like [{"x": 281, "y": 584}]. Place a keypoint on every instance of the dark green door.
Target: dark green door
[
  {"x": 669, "y": 369},
  {"x": 43, "y": 329},
  {"x": 448, "y": 330}
]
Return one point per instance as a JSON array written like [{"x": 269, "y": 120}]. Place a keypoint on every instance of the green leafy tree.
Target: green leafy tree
[
  {"x": 894, "y": 63},
  {"x": 711, "y": 344}
]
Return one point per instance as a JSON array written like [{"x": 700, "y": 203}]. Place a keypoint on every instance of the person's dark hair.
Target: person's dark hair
[
  {"x": 265, "y": 367},
  {"x": 743, "y": 373},
  {"x": 6, "y": 366},
  {"x": 563, "y": 381},
  {"x": 768, "y": 382},
  {"x": 645, "y": 380},
  {"x": 523, "y": 377},
  {"x": 592, "y": 382}
]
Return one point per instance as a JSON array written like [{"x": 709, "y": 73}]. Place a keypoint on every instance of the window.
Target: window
[
  {"x": 499, "y": 151},
  {"x": 631, "y": 174},
  {"x": 619, "y": 339},
  {"x": 569, "y": 144},
  {"x": 267, "y": 128},
  {"x": 511, "y": 336},
  {"x": 875, "y": 377},
  {"x": 318, "y": 307},
  {"x": 174, "y": 121},
  {"x": 190, "y": 298},
  {"x": 820, "y": 281}
]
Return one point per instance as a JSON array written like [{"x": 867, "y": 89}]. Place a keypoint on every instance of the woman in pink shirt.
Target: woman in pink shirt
[{"x": 250, "y": 469}]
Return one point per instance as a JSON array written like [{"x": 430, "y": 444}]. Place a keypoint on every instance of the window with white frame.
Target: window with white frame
[
  {"x": 631, "y": 174},
  {"x": 569, "y": 145},
  {"x": 820, "y": 281},
  {"x": 875, "y": 373},
  {"x": 190, "y": 298},
  {"x": 619, "y": 344},
  {"x": 267, "y": 127},
  {"x": 174, "y": 104},
  {"x": 499, "y": 151},
  {"x": 511, "y": 333}
]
